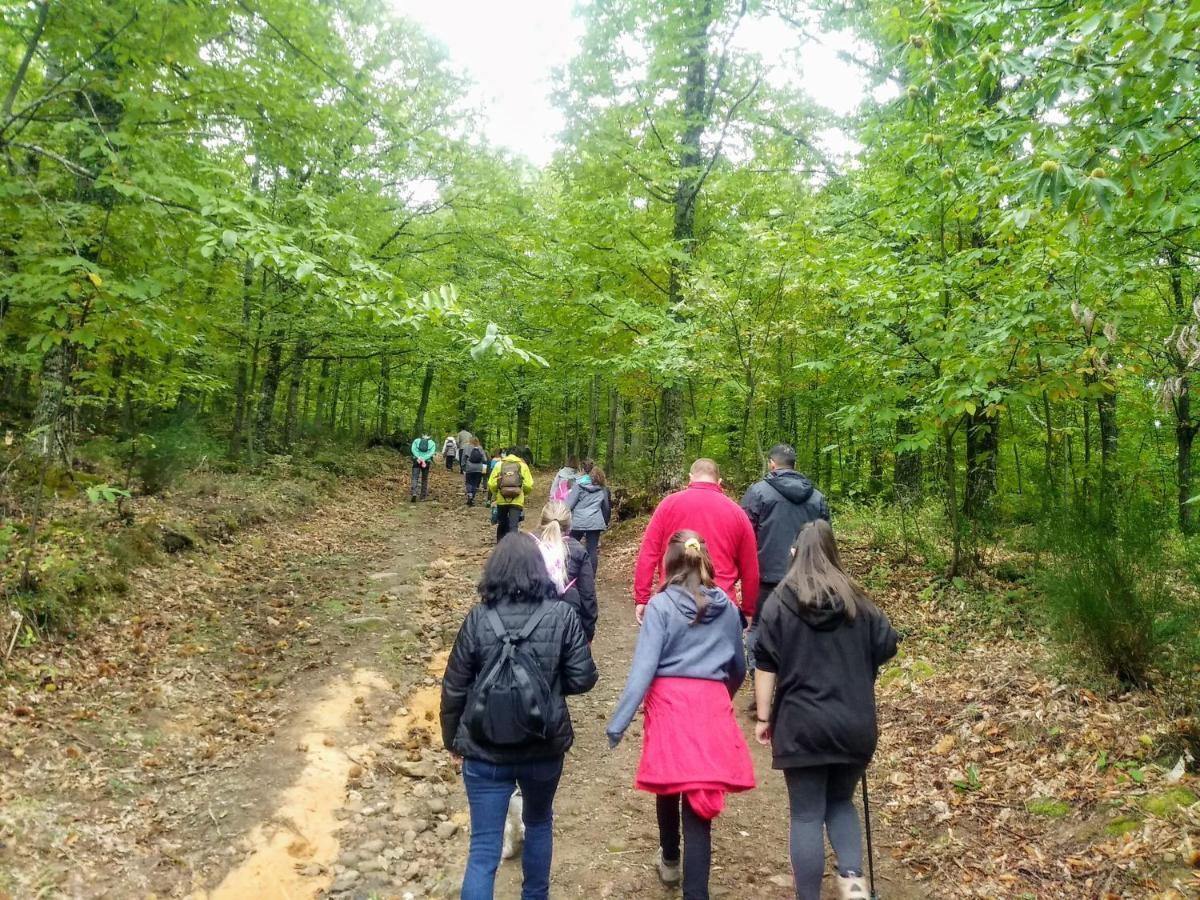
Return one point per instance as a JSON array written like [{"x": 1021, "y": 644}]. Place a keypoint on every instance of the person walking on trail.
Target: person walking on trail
[
  {"x": 450, "y": 452},
  {"x": 821, "y": 642},
  {"x": 564, "y": 480},
  {"x": 510, "y": 482},
  {"x": 686, "y": 667},
  {"x": 464, "y": 439},
  {"x": 704, "y": 508},
  {"x": 423, "y": 450},
  {"x": 591, "y": 511},
  {"x": 504, "y": 716},
  {"x": 569, "y": 564},
  {"x": 778, "y": 506},
  {"x": 473, "y": 464}
]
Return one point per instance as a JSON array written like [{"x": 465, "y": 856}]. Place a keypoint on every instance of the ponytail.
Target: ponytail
[
  {"x": 555, "y": 524},
  {"x": 688, "y": 565}
]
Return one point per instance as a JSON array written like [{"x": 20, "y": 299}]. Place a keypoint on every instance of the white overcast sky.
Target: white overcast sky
[{"x": 510, "y": 48}]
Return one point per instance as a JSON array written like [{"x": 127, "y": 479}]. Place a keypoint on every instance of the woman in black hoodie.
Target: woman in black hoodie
[{"x": 821, "y": 642}]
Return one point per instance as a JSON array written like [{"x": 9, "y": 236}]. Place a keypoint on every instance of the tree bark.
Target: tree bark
[
  {"x": 385, "y": 395},
  {"x": 614, "y": 416},
  {"x": 297, "y": 376},
  {"x": 268, "y": 391},
  {"x": 1106, "y": 409},
  {"x": 593, "y": 417},
  {"x": 423, "y": 404},
  {"x": 983, "y": 451}
]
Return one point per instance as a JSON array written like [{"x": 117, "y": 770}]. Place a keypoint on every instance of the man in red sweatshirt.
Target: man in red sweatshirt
[{"x": 704, "y": 508}]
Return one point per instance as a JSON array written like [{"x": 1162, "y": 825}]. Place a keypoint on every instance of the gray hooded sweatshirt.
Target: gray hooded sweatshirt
[{"x": 670, "y": 646}]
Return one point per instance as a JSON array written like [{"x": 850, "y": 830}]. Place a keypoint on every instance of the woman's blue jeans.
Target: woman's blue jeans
[{"x": 489, "y": 788}]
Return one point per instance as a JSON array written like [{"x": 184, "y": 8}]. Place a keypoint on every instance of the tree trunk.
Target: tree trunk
[
  {"x": 270, "y": 387},
  {"x": 593, "y": 417},
  {"x": 614, "y": 416},
  {"x": 333, "y": 399},
  {"x": 423, "y": 403},
  {"x": 54, "y": 417},
  {"x": 983, "y": 450},
  {"x": 1185, "y": 427},
  {"x": 1106, "y": 409},
  {"x": 907, "y": 470},
  {"x": 950, "y": 487},
  {"x": 297, "y": 375},
  {"x": 385, "y": 395},
  {"x": 524, "y": 413}
]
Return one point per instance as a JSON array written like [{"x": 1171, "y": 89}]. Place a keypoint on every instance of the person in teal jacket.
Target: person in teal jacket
[{"x": 423, "y": 449}]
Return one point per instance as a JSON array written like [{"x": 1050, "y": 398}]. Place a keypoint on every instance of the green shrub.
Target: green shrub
[
  {"x": 1108, "y": 592},
  {"x": 163, "y": 456}
]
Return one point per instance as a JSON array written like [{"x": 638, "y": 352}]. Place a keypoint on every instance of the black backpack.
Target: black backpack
[
  {"x": 476, "y": 456},
  {"x": 512, "y": 703}
]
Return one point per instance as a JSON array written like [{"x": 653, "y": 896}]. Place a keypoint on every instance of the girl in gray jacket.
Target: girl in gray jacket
[{"x": 591, "y": 510}]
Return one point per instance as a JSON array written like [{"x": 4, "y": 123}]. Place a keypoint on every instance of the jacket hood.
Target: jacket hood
[
  {"x": 589, "y": 486},
  {"x": 827, "y": 615},
  {"x": 566, "y": 472},
  {"x": 686, "y": 603},
  {"x": 791, "y": 484}
]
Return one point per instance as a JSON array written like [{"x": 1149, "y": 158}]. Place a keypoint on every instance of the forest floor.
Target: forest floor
[{"x": 259, "y": 721}]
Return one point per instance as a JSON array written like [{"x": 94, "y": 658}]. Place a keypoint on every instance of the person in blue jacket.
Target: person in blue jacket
[{"x": 423, "y": 450}]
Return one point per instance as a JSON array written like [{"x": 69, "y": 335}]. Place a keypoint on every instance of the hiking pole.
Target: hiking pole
[{"x": 870, "y": 848}]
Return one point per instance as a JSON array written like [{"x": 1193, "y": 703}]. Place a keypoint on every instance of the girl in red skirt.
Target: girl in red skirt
[{"x": 687, "y": 666}]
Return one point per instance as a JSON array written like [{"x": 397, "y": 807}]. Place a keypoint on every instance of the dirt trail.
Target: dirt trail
[{"x": 262, "y": 724}]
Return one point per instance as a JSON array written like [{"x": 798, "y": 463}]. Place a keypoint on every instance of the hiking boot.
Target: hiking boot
[
  {"x": 668, "y": 872},
  {"x": 852, "y": 887}
]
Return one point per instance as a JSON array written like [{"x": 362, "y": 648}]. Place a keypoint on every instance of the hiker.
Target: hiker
[
  {"x": 569, "y": 564},
  {"x": 509, "y": 482},
  {"x": 473, "y": 462},
  {"x": 518, "y": 654},
  {"x": 564, "y": 480},
  {"x": 464, "y": 439},
  {"x": 423, "y": 450},
  {"x": 821, "y": 642},
  {"x": 779, "y": 506},
  {"x": 450, "y": 452},
  {"x": 591, "y": 511},
  {"x": 704, "y": 508},
  {"x": 687, "y": 666}
]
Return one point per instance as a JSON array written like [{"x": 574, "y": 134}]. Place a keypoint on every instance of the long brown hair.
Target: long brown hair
[
  {"x": 816, "y": 575},
  {"x": 597, "y": 476},
  {"x": 687, "y": 564}
]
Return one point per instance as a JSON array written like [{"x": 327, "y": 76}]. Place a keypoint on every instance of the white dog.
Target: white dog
[{"x": 514, "y": 826}]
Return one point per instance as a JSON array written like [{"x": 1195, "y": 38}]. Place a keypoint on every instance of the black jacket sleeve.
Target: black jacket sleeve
[
  {"x": 461, "y": 671},
  {"x": 606, "y": 508},
  {"x": 752, "y": 504},
  {"x": 585, "y": 584},
  {"x": 766, "y": 641},
  {"x": 883, "y": 638},
  {"x": 578, "y": 669}
]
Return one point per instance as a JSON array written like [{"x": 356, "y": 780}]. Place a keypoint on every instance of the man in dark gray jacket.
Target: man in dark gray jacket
[{"x": 779, "y": 506}]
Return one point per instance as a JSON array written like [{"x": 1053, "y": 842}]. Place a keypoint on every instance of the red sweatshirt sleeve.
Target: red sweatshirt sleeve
[
  {"x": 747, "y": 563},
  {"x": 649, "y": 557}
]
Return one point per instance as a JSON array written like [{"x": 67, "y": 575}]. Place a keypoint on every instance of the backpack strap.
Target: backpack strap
[{"x": 531, "y": 623}]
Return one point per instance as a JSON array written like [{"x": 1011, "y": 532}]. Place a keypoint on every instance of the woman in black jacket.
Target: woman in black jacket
[
  {"x": 516, "y": 586},
  {"x": 821, "y": 642}
]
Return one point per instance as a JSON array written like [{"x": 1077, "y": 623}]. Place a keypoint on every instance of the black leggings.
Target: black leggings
[{"x": 697, "y": 842}]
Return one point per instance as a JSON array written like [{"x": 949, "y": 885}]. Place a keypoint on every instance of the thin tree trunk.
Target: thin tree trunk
[
  {"x": 423, "y": 404},
  {"x": 614, "y": 415},
  {"x": 385, "y": 395},
  {"x": 268, "y": 391},
  {"x": 593, "y": 417},
  {"x": 297, "y": 375}
]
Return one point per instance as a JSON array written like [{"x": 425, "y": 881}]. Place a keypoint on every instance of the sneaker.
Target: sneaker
[
  {"x": 852, "y": 887},
  {"x": 668, "y": 872}
]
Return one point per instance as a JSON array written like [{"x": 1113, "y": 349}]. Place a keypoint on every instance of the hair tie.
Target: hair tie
[{"x": 692, "y": 544}]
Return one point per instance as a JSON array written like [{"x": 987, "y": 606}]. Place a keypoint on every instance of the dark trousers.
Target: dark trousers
[
  {"x": 591, "y": 540},
  {"x": 472, "y": 481},
  {"x": 822, "y": 800},
  {"x": 420, "y": 474},
  {"x": 450, "y": 458},
  {"x": 508, "y": 518},
  {"x": 765, "y": 589},
  {"x": 697, "y": 842}
]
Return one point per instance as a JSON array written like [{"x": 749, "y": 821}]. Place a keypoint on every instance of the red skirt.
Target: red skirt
[{"x": 693, "y": 745}]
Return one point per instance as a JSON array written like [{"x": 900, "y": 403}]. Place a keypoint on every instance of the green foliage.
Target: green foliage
[{"x": 1107, "y": 593}]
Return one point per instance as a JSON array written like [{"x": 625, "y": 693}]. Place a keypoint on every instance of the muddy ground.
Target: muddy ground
[{"x": 260, "y": 722}]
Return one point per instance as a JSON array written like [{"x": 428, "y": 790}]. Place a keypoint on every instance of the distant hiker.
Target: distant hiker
[
  {"x": 778, "y": 507},
  {"x": 473, "y": 463},
  {"x": 518, "y": 654},
  {"x": 591, "y": 511},
  {"x": 821, "y": 642},
  {"x": 509, "y": 482},
  {"x": 702, "y": 507},
  {"x": 564, "y": 480},
  {"x": 569, "y": 564},
  {"x": 464, "y": 438},
  {"x": 423, "y": 450},
  {"x": 450, "y": 451},
  {"x": 687, "y": 666}
]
